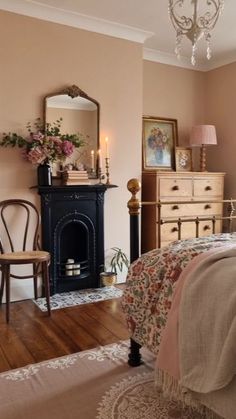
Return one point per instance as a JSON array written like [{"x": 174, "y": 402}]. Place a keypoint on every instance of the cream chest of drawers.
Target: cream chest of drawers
[{"x": 179, "y": 186}]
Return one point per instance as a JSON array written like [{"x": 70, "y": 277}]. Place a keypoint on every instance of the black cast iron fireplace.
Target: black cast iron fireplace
[{"x": 73, "y": 232}]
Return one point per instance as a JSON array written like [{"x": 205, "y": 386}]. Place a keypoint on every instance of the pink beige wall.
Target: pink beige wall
[
  {"x": 220, "y": 111},
  {"x": 38, "y": 58},
  {"x": 174, "y": 92}
]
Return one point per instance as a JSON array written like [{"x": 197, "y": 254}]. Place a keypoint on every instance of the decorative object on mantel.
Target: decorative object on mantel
[
  {"x": 75, "y": 177},
  {"x": 202, "y": 135},
  {"x": 107, "y": 162},
  {"x": 44, "y": 174},
  {"x": 118, "y": 261},
  {"x": 44, "y": 145},
  {"x": 101, "y": 176},
  {"x": 197, "y": 26}
]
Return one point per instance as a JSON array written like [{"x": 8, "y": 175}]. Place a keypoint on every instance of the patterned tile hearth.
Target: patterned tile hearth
[{"x": 74, "y": 298}]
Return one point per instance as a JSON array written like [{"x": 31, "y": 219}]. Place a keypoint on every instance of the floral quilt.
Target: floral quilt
[{"x": 151, "y": 282}]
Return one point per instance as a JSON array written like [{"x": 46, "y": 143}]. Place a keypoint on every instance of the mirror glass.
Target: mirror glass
[{"x": 79, "y": 114}]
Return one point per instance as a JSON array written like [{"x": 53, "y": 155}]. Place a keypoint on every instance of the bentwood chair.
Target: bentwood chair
[{"x": 19, "y": 229}]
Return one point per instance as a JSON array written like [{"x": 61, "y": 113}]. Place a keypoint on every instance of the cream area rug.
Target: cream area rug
[
  {"x": 75, "y": 298},
  {"x": 94, "y": 384}
]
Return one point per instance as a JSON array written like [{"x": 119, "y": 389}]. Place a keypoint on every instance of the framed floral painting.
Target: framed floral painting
[
  {"x": 183, "y": 159},
  {"x": 160, "y": 138}
]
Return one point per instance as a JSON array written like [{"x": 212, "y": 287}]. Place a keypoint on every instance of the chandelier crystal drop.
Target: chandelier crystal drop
[{"x": 196, "y": 26}]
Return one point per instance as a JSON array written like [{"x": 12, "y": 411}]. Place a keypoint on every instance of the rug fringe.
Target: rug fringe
[{"x": 171, "y": 389}]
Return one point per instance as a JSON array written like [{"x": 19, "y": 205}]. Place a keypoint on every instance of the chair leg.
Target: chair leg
[
  {"x": 2, "y": 284},
  {"x": 35, "y": 270},
  {"x": 45, "y": 276},
  {"x": 7, "y": 280}
]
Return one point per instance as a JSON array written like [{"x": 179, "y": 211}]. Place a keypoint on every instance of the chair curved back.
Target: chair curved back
[
  {"x": 15, "y": 213},
  {"x": 11, "y": 212}
]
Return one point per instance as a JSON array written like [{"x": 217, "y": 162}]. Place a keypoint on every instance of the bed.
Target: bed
[{"x": 154, "y": 280}]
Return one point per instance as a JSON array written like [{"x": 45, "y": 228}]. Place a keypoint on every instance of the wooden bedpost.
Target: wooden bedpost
[{"x": 134, "y": 187}]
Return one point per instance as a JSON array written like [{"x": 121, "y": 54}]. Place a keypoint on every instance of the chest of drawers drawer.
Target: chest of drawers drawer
[
  {"x": 169, "y": 232},
  {"x": 207, "y": 187},
  {"x": 188, "y": 210},
  {"x": 172, "y": 187}
]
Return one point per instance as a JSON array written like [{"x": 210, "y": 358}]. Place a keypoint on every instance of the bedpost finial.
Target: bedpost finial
[{"x": 134, "y": 187}]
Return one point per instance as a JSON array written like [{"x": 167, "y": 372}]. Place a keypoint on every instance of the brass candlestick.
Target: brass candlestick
[{"x": 107, "y": 170}]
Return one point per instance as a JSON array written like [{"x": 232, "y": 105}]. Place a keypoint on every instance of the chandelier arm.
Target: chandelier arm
[
  {"x": 208, "y": 21},
  {"x": 182, "y": 23}
]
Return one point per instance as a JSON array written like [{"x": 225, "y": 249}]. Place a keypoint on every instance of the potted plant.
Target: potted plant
[{"x": 118, "y": 261}]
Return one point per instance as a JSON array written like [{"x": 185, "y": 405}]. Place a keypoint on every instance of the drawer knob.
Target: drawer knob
[
  {"x": 208, "y": 188},
  {"x": 175, "y": 207},
  {"x": 207, "y": 206},
  {"x": 175, "y": 188},
  {"x": 174, "y": 229},
  {"x": 206, "y": 227}
]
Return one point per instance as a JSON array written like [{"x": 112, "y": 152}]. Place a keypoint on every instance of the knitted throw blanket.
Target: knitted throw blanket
[{"x": 201, "y": 331}]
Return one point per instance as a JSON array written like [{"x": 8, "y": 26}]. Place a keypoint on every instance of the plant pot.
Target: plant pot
[
  {"x": 108, "y": 278},
  {"x": 44, "y": 174}
]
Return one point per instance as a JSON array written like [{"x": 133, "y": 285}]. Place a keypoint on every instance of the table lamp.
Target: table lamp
[{"x": 202, "y": 135}]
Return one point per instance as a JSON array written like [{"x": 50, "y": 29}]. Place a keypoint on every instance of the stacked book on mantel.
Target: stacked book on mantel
[{"x": 75, "y": 177}]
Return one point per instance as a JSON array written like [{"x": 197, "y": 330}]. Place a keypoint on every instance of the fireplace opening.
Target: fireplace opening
[
  {"x": 74, "y": 251},
  {"x": 75, "y": 259}
]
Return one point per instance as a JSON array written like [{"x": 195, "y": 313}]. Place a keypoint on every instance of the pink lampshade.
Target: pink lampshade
[{"x": 203, "y": 134}]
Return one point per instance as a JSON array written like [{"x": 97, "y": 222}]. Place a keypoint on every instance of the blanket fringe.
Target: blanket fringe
[{"x": 172, "y": 390}]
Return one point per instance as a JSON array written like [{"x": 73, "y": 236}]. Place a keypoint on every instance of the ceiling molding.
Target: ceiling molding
[
  {"x": 171, "y": 59},
  {"x": 221, "y": 61},
  {"x": 58, "y": 15},
  {"x": 184, "y": 62}
]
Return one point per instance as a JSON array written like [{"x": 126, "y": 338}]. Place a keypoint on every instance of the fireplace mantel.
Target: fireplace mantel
[{"x": 73, "y": 228}]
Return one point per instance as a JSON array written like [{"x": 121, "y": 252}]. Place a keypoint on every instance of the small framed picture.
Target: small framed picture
[
  {"x": 183, "y": 159},
  {"x": 159, "y": 142}
]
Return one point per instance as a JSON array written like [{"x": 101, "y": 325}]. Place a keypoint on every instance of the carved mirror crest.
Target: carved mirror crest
[{"x": 79, "y": 114}]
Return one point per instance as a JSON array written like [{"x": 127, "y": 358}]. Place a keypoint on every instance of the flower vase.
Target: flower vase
[{"x": 44, "y": 173}]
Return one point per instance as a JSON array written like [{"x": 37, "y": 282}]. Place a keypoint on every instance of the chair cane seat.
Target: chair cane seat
[{"x": 26, "y": 256}]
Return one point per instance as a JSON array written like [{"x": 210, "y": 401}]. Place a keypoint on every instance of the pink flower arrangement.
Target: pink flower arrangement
[{"x": 45, "y": 144}]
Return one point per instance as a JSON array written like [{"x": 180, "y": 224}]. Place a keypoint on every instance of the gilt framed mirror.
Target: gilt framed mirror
[{"x": 76, "y": 114}]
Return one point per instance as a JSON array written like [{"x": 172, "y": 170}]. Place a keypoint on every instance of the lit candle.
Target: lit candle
[
  {"x": 99, "y": 159},
  {"x": 107, "y": 150},
  {"x": 92, "y": 159}
]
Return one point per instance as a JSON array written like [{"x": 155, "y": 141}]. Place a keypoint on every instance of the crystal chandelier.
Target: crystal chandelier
[{"x": 196, "y": 26}]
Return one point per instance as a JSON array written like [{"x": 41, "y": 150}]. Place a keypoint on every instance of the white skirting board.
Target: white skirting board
[
  {"x": 20, "y": 291},
  {"x": 23, "y": 289}
]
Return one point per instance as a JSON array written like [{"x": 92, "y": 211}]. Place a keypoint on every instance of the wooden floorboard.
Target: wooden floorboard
[{"x": 32, "y": 336}]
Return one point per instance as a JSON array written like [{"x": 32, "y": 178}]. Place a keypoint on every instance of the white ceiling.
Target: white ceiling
[{"x": 138, "y": 20}]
